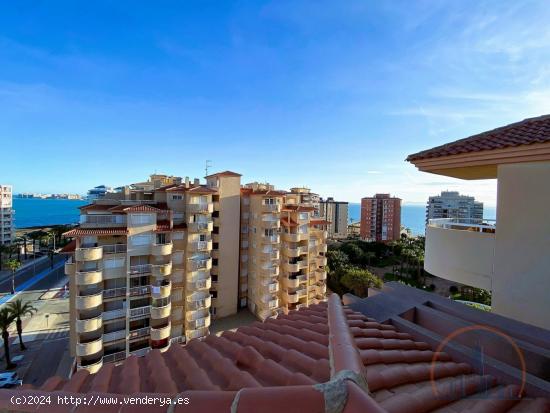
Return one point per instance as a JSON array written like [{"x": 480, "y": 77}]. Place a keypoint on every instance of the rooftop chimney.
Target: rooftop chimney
[{"x": 197, "y": 181}]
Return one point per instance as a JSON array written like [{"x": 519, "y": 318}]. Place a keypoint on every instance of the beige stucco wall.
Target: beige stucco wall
[
  {"x": 521, "y": 287},
  {"x": 228, "y": 261},
  {"x": 464, "y": 257}
]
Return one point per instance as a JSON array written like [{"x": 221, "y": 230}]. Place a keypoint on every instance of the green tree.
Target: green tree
[
  {"x": 18, "y": 310},
  {"x": 36, "y": 236},
  {"x": 337, "y": 260},
  {"x": 6, "y": 318},
  {"x": 359, "y": 280},
  {"x": 353, "y": 251},
  {"x": 13, "y": 265}
]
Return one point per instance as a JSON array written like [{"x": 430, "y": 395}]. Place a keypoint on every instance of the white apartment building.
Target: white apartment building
[
  {"x": 7, "y": 219},
  {"x": 450, "y": 204},
  {"x": 335, "y": 212}
]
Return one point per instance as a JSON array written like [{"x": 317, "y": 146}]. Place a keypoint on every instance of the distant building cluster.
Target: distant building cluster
[
  {"x": 336, "y": 212},
  {"x": 29, "y": 195},
  {"x": 7, "y": 215}
]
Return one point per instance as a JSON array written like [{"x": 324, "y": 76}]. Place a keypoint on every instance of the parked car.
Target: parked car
[{"x": 9, "y": 379}]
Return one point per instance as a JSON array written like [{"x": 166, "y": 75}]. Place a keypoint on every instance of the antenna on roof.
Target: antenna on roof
[{"x": 207, "y": 165}]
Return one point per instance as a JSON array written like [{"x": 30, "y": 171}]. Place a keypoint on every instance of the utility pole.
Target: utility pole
[{"x": 207, "y": 165}]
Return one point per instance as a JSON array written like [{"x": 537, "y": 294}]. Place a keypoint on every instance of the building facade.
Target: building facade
[
  {"x": 335, "y": 212},
  {"x": 7, "y": 215},
  {"x": 283, "y": 246},
  {"x": 154, "y": 264},
  {"x": 450, "y": 204},
  {"x": 508, "y": 257},
  {"x": 380, "y": 218}
]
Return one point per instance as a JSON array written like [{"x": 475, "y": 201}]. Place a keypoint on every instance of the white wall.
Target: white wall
[{"x": 521, "y": 286}]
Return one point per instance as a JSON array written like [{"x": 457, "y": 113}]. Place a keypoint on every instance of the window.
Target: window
[
  {"x": 303, "y": 215},
  {"x": 202, "y": 237},
  {"x": 141, "y": 219},
  {"x": 143, "y": 239},
  {"x": 270, "y": 201},
  {"x": 114, "y": 262},
  {"x": 177, "y": 197}
]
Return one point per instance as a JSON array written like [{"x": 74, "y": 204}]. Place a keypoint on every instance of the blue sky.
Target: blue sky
[{"x": 329, "y": 94}]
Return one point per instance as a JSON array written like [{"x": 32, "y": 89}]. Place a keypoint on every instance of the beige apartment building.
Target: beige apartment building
[
  {"x": 283, "y": 246},
  {"x": 156, "y": 262},
  {"x": 509, "y": 257}
]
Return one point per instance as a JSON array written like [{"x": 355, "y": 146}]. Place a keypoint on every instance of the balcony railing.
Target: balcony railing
[
  {"x": 141, "y": 352},
  {"x": 113, "y": 358},
  {"x": 114, "y": 249},
  {"x": 113, "y": 314},
  {"x": 103, "y": 219},
  {"x": 137, "y": 270},
  {"x": 140, "y": 290},
  {"x": 113, "y": 336},
  {"x": 140, "y": 332},
  {"x": 140, "y": 311},
  {"x": 114, "y": 292},
  {"x": 465, "y": 224}
]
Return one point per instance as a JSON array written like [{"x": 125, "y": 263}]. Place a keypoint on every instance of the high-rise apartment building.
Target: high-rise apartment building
[
  {"x": 283, "y": 245},
  {"x": 335, "y": 212},
  {"x": 380, "y": 218},
  {"x": 155, "y": 262},
  {"x": 450, "y": 204},
  {"x": 7, "y": 224}
]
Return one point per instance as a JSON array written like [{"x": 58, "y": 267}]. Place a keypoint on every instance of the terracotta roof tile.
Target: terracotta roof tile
[
  {"x": 224, "y": 173},
  {"x": 279, "y": 365},
  {"x": 69, "y": 248},
  {"x": 78, "y": 232},
  {"x": 526, "y": 132},
  {"x": 141, "y": 208},
  {"x": 95, "y": 207}
]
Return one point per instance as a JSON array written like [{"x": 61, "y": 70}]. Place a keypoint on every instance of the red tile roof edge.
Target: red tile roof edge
[
  {"x": 75, "y": 232},
  {"x": 224, "y": 173},
  {"x": 524, "y": 132}
]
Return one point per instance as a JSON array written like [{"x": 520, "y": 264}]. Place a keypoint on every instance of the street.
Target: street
[
  {"x": 46, "y": 333},
  {"x": 28, "y": 273}
]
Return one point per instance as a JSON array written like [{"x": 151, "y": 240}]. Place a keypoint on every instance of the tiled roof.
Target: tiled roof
[
  {"x": 78, "y": 232},
  {"x": 319, "y": 222},
  {"x": 141, "y": 208},
  {"x": 200, "y": 189},
  {"x": 163, "y": 226},
  {"x": 526, "y": 132},
  {"x": 95, "y": 207},
  {"x": 69, "y": 248},
  {"x": 298, "y": 208},
  {"x": 179, "y": 227},
  {"x": 268, "y": 192},
  {"x": 224, "y": 173},
  {"x": 325, "y": 358}
]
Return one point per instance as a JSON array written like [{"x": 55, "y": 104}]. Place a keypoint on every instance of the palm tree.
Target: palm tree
[
  {"x": 6, "y": 318},
  {"x": 18, "y": 310},
  {"x": 13, "y": 265}
]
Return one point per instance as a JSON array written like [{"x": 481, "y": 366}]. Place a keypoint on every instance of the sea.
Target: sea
[{"x": 43, "y": 212}]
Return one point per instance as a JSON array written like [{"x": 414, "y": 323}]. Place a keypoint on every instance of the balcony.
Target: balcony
[
  {"x": 271, "y": 239},
  {"x": 70, "y": 268},
  {"x": 138, "y": 312},
  {"x": 158, "y": 313},
  {"x": 290, "y": 282},
  {"x": 272, "y": 287},
  {"x": 88, "y": 302},
  {"x": 200, "y": 245},
  {"x": 199, "y": 333},
  {"x": 198, "y": 300},
  {"x": 461, "y": 251},
  {"x": 322, "y": 248},
  {"x": 160, "y": 333},
  {"x": 269, "y": 271},
  {"x": 199, "y": 323},
  {"x": 114, "y": 336},
  {"x": 270, "y": 255},
  {"x": 92, "y": 366},
  {"x": 113, "y": 314},
  {"x": 102, "y": 220},
  {"x": 270, "y": 222},
  {"x": 201, "y": 284},
  {"x": 203, "y": 226},
  {"x": 141, "y": 352},
  {"x": 114, "y": 249},
  {"x": 87, "y": 326},
  {"x": 197, "y": 314},
  {"x": 89, "y": 348},
  {"x": 89, "y": 253},
  {"x": 201, "y": 208},
  {"x": 138, "y": 333},
  {"x": 320, "y": 276},
  {"x": 88, "y": 277},
  {"x": 321, "y": 289},
  {"x": 114, "y": 293},
  {"x": 295, "y": 237},
  {"x": 140, "y": 290},
  {"x": 302, "y": 292},
  {"x": 274, "y": 208},
  {"x": 197, "y": 264},
  {"x": 321, "y": 261},
  {"x": 161, "y": 270},
  {"x": 140, "y": 270},
  {"x": 294, "y": 267},
  {"x": 114, "y": 357},
  {"x": 162, "y": 249},
  {"x": 162, "y": 290},
  {"x": 290, "y": 297}
]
